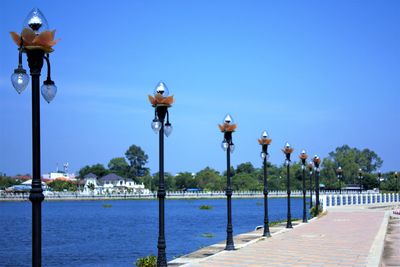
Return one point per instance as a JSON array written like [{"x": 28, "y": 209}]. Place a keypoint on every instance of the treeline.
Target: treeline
[{"x": 246, "y": 177}]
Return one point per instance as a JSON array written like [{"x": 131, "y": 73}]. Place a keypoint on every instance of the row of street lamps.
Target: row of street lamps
[{"x": 37, "y": 41}]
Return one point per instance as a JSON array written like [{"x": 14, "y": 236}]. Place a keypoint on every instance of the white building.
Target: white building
[{"x": 112, "y": 183}]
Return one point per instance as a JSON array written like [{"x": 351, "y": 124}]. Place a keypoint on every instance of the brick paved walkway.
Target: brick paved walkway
[{"x": 339, "y": 239}]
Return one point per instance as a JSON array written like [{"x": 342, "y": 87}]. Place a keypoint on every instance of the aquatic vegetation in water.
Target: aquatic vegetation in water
[
  {"x": 149, "y": 261},
  {"x": 259, "y": 203},
  {"x": 205, "y": 207},
  {"x": 207, "y": 235},
  {"x": 107, "y": 205}
]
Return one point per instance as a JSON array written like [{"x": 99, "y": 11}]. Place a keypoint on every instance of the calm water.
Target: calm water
[{"x": 84, "y": 233}]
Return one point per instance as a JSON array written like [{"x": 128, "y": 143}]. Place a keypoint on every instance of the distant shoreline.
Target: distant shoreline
[{"x": 72, "y": 197}]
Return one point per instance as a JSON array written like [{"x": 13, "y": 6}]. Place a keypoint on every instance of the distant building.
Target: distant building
[
  {"x": 59, "y": 175},
  {"x": 112, "y": 183}
]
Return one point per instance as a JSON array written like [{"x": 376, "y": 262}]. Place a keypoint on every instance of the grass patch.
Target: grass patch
[
  {"x": 107, "y": 205},
  {"x": 207, "y": 235},
  {"x": 205, "y": 207}
]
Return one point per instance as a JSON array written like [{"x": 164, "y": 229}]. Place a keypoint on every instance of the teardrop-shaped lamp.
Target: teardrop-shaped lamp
[
  {"x": 20, "y": 79},
  {"x": 228, "y": 119},
  {"x": 224, "y": 145},
  {"x": 36, "y": 21},
  {"x": 161, "y": 89},
  {"x": 156, "y": 125},
  {"x": 168, "y": 129},
  {"x": 48, "y": 90}
]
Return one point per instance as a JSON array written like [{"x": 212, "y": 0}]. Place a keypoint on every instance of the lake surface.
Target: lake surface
[{"x": 89, "y": 233}]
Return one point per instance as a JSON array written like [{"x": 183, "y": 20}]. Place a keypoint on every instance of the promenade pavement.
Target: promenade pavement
[{"x": 352, "y": 236}]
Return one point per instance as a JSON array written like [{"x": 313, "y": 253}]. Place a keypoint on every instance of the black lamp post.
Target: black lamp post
[
  {"x": 228, "y": 127},
  {"x": 264, "y": 141},
  {"x": 37, "y": 49},
  {"x": 339, "y": 175},
  {"x": 379, "y": 180},
  {"x": 310, "y": 167},
  {"x": 287, "y": 150},
  {"x": 360, "y": 177},
  {"x": 303, "y": 156},
  {"x": 316, "y": 161},
  {"x": 396, "y": 175},
  {"x": 161, "y": 101}
]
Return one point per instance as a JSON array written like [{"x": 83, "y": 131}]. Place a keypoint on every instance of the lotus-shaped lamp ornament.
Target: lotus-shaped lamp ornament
[
  {"x": 35, "y": 34},
  {"x": 264, "y": 140},
  {"x": 228, "y": 124},
  {"x": 161, "y": 96}
]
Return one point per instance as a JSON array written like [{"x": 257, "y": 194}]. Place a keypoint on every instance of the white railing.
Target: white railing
[{"x": 358, "y": 199}]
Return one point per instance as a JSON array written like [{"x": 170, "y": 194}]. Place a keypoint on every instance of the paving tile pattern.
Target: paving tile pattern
[{"x": 339, "y": 239}]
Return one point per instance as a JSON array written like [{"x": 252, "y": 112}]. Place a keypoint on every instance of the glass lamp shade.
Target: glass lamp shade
[
  {"x": 231, "y": 148},
  {"x": 264, "y": 135},
  {"x": 48, "y": 90},
  {"x": 161, "y": 89},
  {"x": 36, "y": 21},
  {"x": 224, "y": 145},
  {"x": 156, "y": 125},
  {"x": 20, "y": 80},
  {"x": 168, "y": 129},
  {"x": 228, "y": 119},
  {"x": 287, "y": 146}
]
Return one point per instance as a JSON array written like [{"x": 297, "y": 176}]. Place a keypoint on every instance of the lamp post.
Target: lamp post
[
  {"x": 264, "y": 141},
  {"x": 228, "y": 127},
  {"x": 161, "y": 101},
  {"x": 360, "y": 177},
  {"x": 310, "y": 167},
  {"x": 379, "y": 180},
  {"x": 339, "y": 175},
  {"x": 316, "y": 161},
  {"x": 303, "y": 156},
  {"x": 36, "y": 41},
  {"x": 287, "y": 150},
  {"x": 396, "y": 176}
]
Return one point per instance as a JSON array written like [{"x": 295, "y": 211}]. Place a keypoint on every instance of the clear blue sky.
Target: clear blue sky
[{"x": 318, "y": 74}]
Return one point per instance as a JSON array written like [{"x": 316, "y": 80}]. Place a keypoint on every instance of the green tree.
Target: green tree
[
  {"x": 245, "y": 181},
  {"x": 60, "y": 185},
  {"x": 351, "y": 159},
  {"x": 246, "y": 167},
  {"x": 185, "y": 180},
  {"x": 169, "y": 181},
  {"x": 137, "y": 159},
  {"x": 7, "y": 182},
  {"x": 210, "y": 179},
  {"x": 119, "y": 166},
  {"x": 98, "y": 169}
]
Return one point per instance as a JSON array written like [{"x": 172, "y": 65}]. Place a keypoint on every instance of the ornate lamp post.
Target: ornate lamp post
[
  {"x": 310, "y": 167},
  {"x": 264, "y": 141},
  {"x": 316, "y": 161},
  {"x": 36, "y": 41},
  {"x": 303, "y": 156},
  {"x": 228, "y": 127},
  {"x": 161, "y": 101},
  {"x": 360, "y": 177},
  {"x": 339, "y": 175},
  {"x": 287, "y": 150}
]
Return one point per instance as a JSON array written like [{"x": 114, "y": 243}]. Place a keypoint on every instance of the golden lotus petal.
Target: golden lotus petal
[
  {"x": 16, "y": 38},
  {"x": 28, "y": 36}
]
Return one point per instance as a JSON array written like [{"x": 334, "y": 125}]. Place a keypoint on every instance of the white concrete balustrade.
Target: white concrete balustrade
[{"x": 332, "y": 200}]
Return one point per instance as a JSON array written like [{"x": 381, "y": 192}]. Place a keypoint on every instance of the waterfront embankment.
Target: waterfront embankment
[{"x": 345, "y": 236}]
